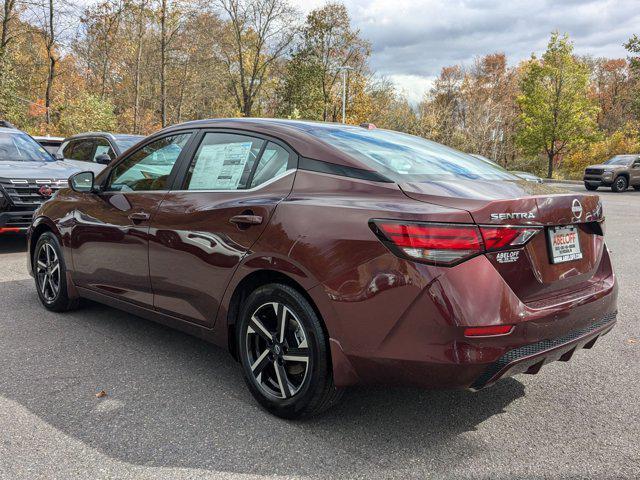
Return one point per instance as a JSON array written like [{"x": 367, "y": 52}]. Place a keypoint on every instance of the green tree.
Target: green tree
[
  {"x": 86, "y": 112},
  {"x": 312, "y": 83},
  {"x": 633, "y": 47},
  {"x": 12, "y": 107},
  {"x": 556, "y": 111}
]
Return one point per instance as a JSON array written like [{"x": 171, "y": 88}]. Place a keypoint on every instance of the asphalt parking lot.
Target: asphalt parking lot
[{"x": 177, "y": 407}]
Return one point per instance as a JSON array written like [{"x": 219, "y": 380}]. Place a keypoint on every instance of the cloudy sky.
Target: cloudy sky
[{"x": 413, "y": 40}]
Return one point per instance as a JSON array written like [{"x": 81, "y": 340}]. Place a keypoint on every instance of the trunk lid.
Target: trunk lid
[{"x": 528, "y": 270}]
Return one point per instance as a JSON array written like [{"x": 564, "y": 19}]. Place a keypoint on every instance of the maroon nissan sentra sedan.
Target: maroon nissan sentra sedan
[{"x": 324, "y": 255}]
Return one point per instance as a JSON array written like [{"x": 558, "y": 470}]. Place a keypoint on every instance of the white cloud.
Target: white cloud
[
  {"x": 413, "y": 40},
  {"x": 413, "y": 87}
]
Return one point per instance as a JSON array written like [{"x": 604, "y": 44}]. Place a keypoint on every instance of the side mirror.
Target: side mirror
[
  {"x": 59, "y": 156},
  {"x": 82, "y": 182},
  {"x": 103, "y": 159}
]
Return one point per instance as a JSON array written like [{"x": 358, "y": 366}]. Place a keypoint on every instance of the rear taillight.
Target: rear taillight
[
  {"x": 448, "y": 243},
  {"x": 438, "y": 243},
  {"x": 501, "y": 237}
]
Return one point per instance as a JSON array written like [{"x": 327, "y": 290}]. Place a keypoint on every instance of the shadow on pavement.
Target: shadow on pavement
[
  {"x": 12, "y": 243},
  {"x": 176, "y": 401}
]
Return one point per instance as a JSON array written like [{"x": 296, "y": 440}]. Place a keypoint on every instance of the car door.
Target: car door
[
  {"x": 205, "y": 226},
  {"x": 110, "y": 232}
]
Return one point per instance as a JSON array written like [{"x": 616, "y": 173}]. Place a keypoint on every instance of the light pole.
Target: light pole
[{"x": 344, "y": 69}]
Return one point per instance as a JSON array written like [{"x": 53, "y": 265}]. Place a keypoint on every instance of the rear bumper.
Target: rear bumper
[
  {"x": 425, "y": 346},
  {"x": 530, "y": 358},
  {"x": 463, "y": 372}
]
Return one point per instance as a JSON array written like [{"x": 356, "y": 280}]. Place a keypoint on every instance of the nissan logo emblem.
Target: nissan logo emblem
[{"x": 576, "y": 208}]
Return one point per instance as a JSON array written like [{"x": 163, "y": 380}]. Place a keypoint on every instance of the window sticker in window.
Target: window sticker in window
[{"x": 220, "y": 167}]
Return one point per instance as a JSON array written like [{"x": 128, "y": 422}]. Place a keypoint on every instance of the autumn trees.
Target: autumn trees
[
  {"x": 474, "y": 109},
  {"x": 553, "y": 114}
]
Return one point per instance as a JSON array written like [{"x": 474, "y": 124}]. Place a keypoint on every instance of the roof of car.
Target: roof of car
[
  {"x": 89, "y": 134},
  {"x": 296, "y": 133},
  {"x": 47, "y": 138},
  {"x": 103, "y": 134},
  {"x": 10, "y": 129}
]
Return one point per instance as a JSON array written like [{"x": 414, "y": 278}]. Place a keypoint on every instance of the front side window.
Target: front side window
[
  {"x": 406, "y": 158},
  {"x": 19, "y": 147},
  {"x": 102, "y": 147},
  {"x": 149, "y": 167},
  {"x": 224, "y": 161}
]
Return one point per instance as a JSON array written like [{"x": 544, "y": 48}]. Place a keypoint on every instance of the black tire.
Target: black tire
[
  {"x": 280, "y": 380},
  {"x": 620, "y": 184},
  {"x": 46, "y": 256},
  {"x": 590, "y": 187}
]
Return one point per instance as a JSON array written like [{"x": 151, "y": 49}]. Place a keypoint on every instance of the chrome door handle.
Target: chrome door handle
[
  {"x": 246, "y": 219},
  {"x": 139, "y": 217}
]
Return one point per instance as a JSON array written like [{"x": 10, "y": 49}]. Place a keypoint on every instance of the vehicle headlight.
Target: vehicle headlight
[{"x": 608, "y": 173}]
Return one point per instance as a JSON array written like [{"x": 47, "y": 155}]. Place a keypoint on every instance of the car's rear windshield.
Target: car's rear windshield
[
  {"x": 20, "y": 147},
  {"x": 127, "y": 141},
  {"x": 621, "y": 160},
  {"x": 407, "y": 158}
]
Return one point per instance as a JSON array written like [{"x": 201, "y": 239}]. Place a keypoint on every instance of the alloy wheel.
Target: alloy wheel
[
  {"x": 48, "y": 272},
  {"x": 277, "y": 350}
]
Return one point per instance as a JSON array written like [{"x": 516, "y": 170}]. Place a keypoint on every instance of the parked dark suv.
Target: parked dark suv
[
  {"x": 94, "y": 150},
  {"x": 619, "y": 173},
  {"x": 29, "y": 175}
]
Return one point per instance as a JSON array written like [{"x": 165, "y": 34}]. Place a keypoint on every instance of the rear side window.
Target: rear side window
[
  {"x": 273, "y": 162},
  {"x": 224, "y": 161},
  {"x": 407, "y": 158}
]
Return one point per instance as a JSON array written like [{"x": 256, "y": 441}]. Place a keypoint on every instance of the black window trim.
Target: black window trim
[{"x": 320, "y": 166}]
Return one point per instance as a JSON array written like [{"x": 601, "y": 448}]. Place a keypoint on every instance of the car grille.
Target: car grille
[
  {"x": 25, "y": 194},
  {"x": 593, "y": 171},
  {"x": 19, "y": 221}
]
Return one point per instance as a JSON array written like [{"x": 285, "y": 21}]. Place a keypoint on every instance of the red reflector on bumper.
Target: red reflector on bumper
[
  {"x": 490, "y": 331},
  {"x": 9, "y": 229}
]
